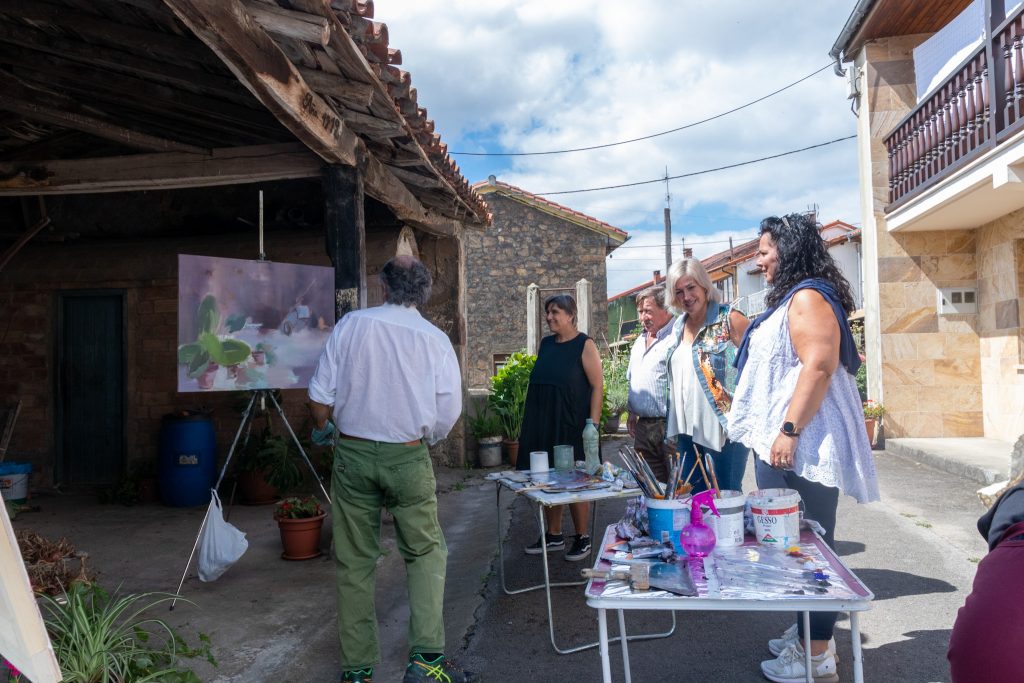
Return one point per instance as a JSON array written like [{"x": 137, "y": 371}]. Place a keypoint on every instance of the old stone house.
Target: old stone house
[
  {"x": 532, "y": 240},
  {"x": 133, "y": 132}
]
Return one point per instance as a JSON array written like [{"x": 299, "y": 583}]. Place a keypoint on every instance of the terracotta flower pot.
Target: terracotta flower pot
[
  {"x": 869, "y": 424},
  {"x": 512, "y": 451},
  {"x": 254, "y": 489},
  {"x": 301, "y": 537}
]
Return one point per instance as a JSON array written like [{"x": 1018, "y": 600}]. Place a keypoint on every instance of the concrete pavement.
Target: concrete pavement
[{"x": 273, "y": 620}]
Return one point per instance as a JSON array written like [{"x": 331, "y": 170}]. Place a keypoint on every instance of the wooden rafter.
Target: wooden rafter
[{"x": 170, "y": 170}]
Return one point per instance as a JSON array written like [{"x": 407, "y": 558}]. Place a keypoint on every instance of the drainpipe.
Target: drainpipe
[{"x": 852, "y": 24}]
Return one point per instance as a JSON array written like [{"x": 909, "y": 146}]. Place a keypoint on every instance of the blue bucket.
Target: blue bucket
[
  {"x": 668, "y": 516},
  {"x": 188, "y": 460},
  {"x": 14, "y": 481}
]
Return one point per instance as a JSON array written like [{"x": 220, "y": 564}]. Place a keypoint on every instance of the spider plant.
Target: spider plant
[{"x": 106, "y": 639}]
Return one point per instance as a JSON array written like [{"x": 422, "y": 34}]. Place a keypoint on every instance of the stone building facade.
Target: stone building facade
[
  {"x": 531, "y": 241},
  {"x": 938, "y": 374}
]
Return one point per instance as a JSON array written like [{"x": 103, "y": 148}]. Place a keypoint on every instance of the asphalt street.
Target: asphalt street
[{"x": 917, "y": 550}]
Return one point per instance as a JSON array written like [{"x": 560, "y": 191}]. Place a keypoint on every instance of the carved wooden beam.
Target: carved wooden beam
[
  {"x": 228, "y": 29},
  {"x": 170, "y": 170}
]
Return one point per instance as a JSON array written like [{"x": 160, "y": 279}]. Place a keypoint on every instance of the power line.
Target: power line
[
  {"x": 652, "y": 135},
  {"x": 688, "y": 244},
  {"x": 695, "y": 173}
]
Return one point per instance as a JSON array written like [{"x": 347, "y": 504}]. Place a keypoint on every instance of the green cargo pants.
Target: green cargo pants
[{"x": 369, "y": 475}]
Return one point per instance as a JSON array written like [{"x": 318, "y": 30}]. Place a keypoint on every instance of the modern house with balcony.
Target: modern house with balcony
[{"x": 938, "y": 88}]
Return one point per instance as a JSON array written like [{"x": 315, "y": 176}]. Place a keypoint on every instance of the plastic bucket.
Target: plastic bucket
[
  {"x": 14, "y": 481},
  {"x": 188, "y": 460},
  {"x": 668, "y": 516},
  {"x": 489, "y": 451},
  {"x": 776, "y": 515},
  {"x": 728, "y": 527}
]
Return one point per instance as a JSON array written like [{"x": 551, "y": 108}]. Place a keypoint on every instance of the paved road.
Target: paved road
[{"x": 917, "y": 550}]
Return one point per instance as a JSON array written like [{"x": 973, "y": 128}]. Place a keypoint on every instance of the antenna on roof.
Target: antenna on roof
[{"x": 668, "y": 224}]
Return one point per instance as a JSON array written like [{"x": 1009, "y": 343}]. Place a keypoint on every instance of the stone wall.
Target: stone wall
[{"x": 523, "y": 246}]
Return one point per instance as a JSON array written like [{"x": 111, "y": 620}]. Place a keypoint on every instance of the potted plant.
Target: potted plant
[
  {"x": 268, "y": 465},
  {"x": 300, "y": 518},
  {"x": 873, "y": 412},
  {"x": 508, "y": 398},
  {"x": 485, "y": 427},
  {"x": 616, "y": 392}
]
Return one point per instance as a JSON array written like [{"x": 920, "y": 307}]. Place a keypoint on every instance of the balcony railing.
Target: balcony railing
[
  {"x": 755, "y": 304},
  {"x": 978, "y": 106}
]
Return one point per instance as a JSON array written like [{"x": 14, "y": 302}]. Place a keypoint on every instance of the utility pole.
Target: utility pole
[{"x": 668, "y": 225}]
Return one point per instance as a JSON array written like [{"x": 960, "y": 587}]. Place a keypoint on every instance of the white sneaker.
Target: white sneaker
[
  {"x": 790, "y": 637},
  {"x": 788, "y": 667}
]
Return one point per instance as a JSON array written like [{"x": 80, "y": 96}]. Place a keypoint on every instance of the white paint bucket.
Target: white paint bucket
[
  {"x": 776, "y": 515},
  {"x": 668, "y": 516},
  {"x": 728, "y": 526},
  {"x": 14, "y": 481}
]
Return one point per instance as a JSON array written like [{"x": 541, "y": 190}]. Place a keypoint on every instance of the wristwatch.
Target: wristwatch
[{"x": 789, "y": 429}]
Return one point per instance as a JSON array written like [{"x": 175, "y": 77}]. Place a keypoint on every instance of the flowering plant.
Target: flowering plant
[
  {"x": 873, "y": 410},
  {"x": 298, "y": 507}
]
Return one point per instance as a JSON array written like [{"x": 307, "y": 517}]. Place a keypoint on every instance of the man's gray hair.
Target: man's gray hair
[
  {"x": 406, "y": 281},
  {"x": 657, "y": 293},
  {"x": 689, "y": 267}
]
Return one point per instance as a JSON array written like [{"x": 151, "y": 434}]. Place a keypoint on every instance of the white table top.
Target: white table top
[
  {"x": 552, "y": 490},
  {"x": 750, "y": 577}
]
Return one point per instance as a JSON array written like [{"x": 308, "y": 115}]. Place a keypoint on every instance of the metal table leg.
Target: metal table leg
[
  {"x": 602, "y": 634},
  {"x": 807, "y": 647},
  {"x": 624, "y": 640},
  {"x": 858, "y": 663}
]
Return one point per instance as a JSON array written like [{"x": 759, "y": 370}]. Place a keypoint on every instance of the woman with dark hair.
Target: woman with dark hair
[
  {"x": 566, "y": 388},
  {"x": 797, "y": 406}
]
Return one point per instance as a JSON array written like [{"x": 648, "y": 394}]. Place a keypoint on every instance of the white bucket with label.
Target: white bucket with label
[
  {"x": 776, "y": 515},
  {"x": 728, "y": 526}
]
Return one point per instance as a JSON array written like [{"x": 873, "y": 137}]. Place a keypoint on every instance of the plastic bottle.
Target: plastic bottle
[
  {"x": 591, "y": 448},
  {"x": 697, "y": 538}
]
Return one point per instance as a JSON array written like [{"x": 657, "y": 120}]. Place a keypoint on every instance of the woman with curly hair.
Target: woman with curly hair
[{"x": 797, "y": 406}]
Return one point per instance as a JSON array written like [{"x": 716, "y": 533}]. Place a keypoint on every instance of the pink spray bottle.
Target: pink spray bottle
[{"x": 697, "y": 538}]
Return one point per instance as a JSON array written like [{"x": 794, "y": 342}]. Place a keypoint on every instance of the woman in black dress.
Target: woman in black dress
[{"x": 565, "y": 390}]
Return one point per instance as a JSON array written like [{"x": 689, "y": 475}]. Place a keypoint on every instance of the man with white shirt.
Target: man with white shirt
[
  {"x": 392, "y": 383},
  {"x": 648, "y": 381}
]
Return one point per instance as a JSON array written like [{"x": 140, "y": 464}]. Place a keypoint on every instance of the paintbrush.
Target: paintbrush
[
  {"x": 700, "y": 463},
  {"x": 648, "y": 471},
  {"x": 714, "y": 477},
  {"x": 631, "y": 466}
]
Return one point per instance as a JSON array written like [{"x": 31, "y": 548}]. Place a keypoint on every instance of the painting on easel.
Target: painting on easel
[{"x": 250, "y": 324}]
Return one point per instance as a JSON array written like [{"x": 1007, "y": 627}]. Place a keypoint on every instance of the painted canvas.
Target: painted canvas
[{"x": 250, "y": 324}]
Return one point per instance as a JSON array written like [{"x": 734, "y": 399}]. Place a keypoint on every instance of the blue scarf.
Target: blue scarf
[{"x": 848, "y": 355}]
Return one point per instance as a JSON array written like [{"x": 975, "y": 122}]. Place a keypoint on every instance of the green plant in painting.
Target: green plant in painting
[
  {"x": 209, "y": 348},
  {"x": 508, "y": 392},
  {"x": 103, "y": 639}
]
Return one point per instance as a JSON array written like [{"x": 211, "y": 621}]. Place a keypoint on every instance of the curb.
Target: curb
[{"x": 976, "y": 473}]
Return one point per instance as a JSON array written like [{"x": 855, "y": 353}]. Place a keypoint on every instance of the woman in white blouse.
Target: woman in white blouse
[{"x": 797, "y": 406}]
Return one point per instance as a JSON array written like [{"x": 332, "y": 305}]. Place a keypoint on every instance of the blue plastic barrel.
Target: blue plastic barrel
[{"x": 188, "y": 459}]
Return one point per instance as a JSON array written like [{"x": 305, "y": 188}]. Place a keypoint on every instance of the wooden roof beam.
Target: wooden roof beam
[
  {"x": 227, "y": 29},
  {"x": 166, "y": 171},
  {"x": 289, "y": 23}
]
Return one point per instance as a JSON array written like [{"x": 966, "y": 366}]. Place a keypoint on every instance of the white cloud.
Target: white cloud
[{"x": 534, "y": 75}]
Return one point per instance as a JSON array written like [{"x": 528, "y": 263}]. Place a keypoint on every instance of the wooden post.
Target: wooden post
[
  {"x": 533, "y": 319},
  {"x": 584, "y": 305},
  {"x": 345, "y": 228}
]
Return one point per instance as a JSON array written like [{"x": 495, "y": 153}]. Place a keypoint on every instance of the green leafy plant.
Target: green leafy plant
[
  {"x": 862, "y": 381},
  {"x": 485, "y": 423},
  {"x": 102, "y": 639},
  {"x": 615, "y": 383},
  {"x": 209, "y": 350},
  {"x": 508, "y": 392},
  {"x": 273, "y": 455},
  {"x": 873, "y": 410},
  {"x": 298, "y": 507}
]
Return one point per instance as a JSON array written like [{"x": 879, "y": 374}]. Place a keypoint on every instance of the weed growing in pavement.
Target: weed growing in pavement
[{"x": 926, "y": 525}]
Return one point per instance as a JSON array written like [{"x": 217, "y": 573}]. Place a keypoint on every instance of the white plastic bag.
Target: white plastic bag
[{"x": 221, "y": 544}]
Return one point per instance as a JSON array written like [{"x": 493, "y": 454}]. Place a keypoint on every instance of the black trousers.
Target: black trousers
[{"x": 820, "y": 504}]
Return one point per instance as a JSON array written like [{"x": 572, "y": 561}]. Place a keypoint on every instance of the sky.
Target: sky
[{"x": 546, "y": 75}]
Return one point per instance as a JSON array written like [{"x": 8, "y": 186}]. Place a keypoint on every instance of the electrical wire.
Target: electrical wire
[
  {"x": 696, "y": 173},
  {"x": 652, "y": 135},
  {"x": 737, "y": 240}
]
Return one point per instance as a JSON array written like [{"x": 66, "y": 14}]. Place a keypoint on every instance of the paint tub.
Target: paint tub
[
  {"x": 14, "y": 481},
  {"x": 728, "y": 526},
  {"x": 490, "y": 451},
  {"x": 668, "y": 516},
  {"x": 776, "y": 515}
]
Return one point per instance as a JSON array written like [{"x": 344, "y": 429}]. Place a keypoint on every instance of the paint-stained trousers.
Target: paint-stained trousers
[{"x": 367, "y": 476}]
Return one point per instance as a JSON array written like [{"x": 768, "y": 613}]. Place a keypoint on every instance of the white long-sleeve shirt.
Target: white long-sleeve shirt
[{"x": 390, "y": 376}]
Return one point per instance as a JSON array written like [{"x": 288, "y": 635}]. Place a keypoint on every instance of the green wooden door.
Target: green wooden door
[{"x": 90, "y": 388}]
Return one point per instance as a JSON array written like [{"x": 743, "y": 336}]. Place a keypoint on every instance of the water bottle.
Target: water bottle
[{"x": 591, "y": 447}]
